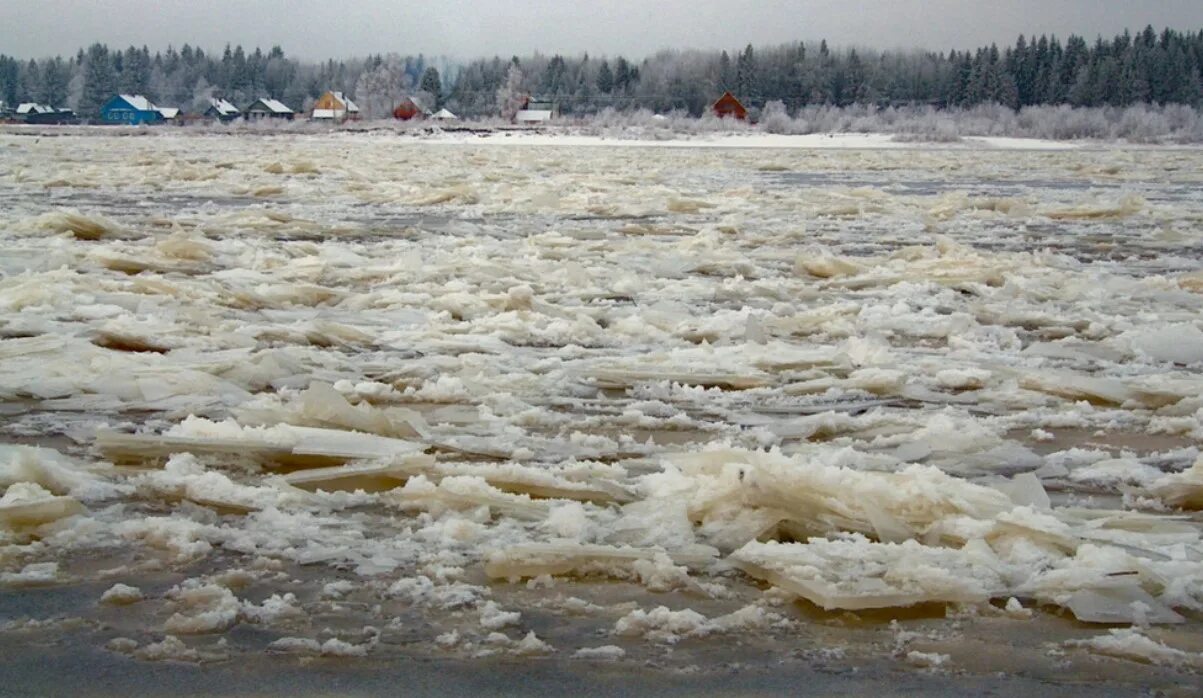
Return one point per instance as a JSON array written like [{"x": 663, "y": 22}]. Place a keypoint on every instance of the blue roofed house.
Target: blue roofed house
[{"x": 130, "y": 109}]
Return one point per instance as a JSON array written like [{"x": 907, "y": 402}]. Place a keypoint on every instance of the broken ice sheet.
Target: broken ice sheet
[
  {"x": 533, "y": 560},
  {"x": 281, "y": 443},
  {"x": 27, "y": 504},
  {"x": 855, "y": 573}
]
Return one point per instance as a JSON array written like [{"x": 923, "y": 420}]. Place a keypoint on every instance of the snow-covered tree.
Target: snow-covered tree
[{"x": 510, "y": 96}]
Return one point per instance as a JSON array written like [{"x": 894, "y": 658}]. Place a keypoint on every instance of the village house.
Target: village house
[
  {"x": 26, "y": 109},
  {"x": 222, "y": 110},
  {"x": 410, "y": 108},
  {"x": 267, "y": 108},
  {"x": 130, "y": 109},
  {"x": 58, "y": 117},
  {"x": 536, "y": 111},
  {"x": 335, "y": 106},
  {"x": 33, "y": 113},
  {"x": 728, "y": 105}
]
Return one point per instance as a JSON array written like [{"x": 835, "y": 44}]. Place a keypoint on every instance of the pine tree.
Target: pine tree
[
  {"x": 432, "y": 85},
  {"x": 605, "y": 78},
  {"x": 55, "y": 79},
  {"x": 747, "y": 80},
  {"x": 100, "y": 82},
  {"x": 135, "y": 73},
  {"x": 31, "y": 81},
  {"x": 622, "y": 75},
  {"x": 726, "y": 78}
]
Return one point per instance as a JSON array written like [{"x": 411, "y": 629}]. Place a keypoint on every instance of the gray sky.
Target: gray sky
[{"x": 469, "y": 28}]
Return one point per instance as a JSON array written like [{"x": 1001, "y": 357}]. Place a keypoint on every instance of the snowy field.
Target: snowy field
[{"x": 876, "y": 414}]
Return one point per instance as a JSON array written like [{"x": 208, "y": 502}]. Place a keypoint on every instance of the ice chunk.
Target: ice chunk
[
  {"x": 121, "y": 595},
  {"x": 373, "y": 476},
  {"x": 55, "y": 472},
  {"x": 1120, "y": 604},
  {"x": 1183, "y": 489},
  {"x": 815, "y": 498},
  {"x": 27, "y": 504},
  {"x": 602, "y": 653},
  {"x": 1176, "y": 343},
  {"x": 1130, "y": 643},
  {"x": 202, "y": 608},
  {"x": 33, "y": 574},
  {"x": 1074, "y": 386},
  {"x": 536, "y": 559},
  {"x": 169, "y": 648},
  {"x": 466, "y": 492},
  {"x": 1025, "y": 489},
  {"x": 282, "y": 443},
  {"x": 83, "y": 227},
  {"x": 1128, "y": 205},
  {"x": 185, "y": 477},
  {"x": 856, "y": 573},
  {"x": 926, "y": 660},
  {"x": 662, "y": 625},
  {"x": 493, "y": 618}
]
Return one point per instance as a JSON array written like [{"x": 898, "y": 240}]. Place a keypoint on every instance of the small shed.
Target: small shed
[
  {"x": 222, "y": 110},
  {"x": 130, "y": 109},
  {"x": 728, "y": 105},
  {"x": 410, "y": 108},
  {"x": 536, "y": 111},
  {"x": 444, "y": 115},
  {"x": 267, "y": 108},
  {"x": 335, "y": 106},
  {"x": 170, "y": 114}
]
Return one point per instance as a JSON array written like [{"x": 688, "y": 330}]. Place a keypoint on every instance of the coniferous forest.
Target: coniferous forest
[{"x": 1146, "y": 67}]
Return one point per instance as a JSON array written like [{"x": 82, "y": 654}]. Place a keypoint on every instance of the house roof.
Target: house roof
[
  {"x": 272, "y": 105},
  {"x": 417, "y": 102},
  {"x": 346, "y": 101},
  {"x": 727, "y": 101},
  {"x": 444, "y": 114},
  {"x": 168, "y": 112},
  {"x": 323, "y": 113},
  {"x": 34, "y": 108},
  {"x": 223, "y": 107},
  {"x": 138, "y": 102}
]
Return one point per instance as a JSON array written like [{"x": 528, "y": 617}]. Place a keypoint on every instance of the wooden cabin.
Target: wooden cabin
[
  {"x": 222, "y": 110},
  {"x": 728, "y": 105},
  {"x": 267, "y": 108}
]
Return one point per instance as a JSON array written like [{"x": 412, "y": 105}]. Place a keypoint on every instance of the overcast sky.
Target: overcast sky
[{"x": 470, "y": 28}]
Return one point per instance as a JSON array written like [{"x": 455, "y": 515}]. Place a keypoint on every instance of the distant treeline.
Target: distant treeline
[{"x": 1148, "y": 67}]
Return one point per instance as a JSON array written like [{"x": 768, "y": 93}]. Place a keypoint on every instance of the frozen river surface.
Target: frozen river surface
[{"x": 694, "y": 419}]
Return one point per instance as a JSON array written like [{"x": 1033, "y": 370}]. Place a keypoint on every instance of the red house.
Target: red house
[
  {"x": 728, "y": 105},
  {"x": 410, "y": 108}
]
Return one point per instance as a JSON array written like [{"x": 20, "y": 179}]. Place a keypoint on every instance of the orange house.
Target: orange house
[
  {"x": 728, "y": 105},
  {"x": 335, "y": 106}
]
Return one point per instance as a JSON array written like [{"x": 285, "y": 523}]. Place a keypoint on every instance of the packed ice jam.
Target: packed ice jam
[{"x": 381, "y": 396}]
